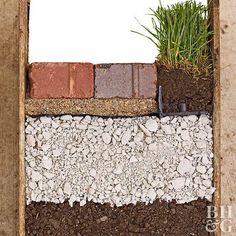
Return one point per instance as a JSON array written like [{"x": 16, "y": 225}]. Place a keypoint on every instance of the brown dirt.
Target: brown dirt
[
  {"x": 179, "y": 86},
  {"x": 159, "y": 218},
  {"x": 97, "y": 107}
]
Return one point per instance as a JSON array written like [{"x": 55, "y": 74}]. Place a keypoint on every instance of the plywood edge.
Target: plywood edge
[
  {"x": 215, "y": 23},
  {"x": 23, "y": 46}
]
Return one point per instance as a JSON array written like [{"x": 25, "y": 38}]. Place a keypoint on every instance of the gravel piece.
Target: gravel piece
[
  {"x": 201, "y": 169},
  {"x": 126, "y": 137},
  {"x": 151, "y": 125},
  {"x": 179, "y": 183},
  {"x": 118, "y": 161},
  {"x": 30, "y": 140},
  {"x": 36, "y": 176},
  {"x": 106, "y": 138},
  {"x": 47, "y": 162},
  {"x": 67, "y": 188},
  {"x": 185, "y": 166},
  {"x": 145, "y": 131}
]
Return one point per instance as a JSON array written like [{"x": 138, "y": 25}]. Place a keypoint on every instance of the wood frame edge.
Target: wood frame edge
[
  {"x": 214, "y": 11},
  {"x": 23, "y": 47},
  {"x": 23, "y": 60}
]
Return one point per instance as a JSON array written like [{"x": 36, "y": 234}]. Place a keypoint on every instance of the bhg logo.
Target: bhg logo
[{"x": 216, "y": 221}]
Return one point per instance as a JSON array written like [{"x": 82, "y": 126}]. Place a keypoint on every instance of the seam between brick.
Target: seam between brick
[
  {"x": 133, "y": 81},
  {"x": 94, "y": 81},
  {"x": 138, "y": 81},
  {"x": 71, "y": 81}
]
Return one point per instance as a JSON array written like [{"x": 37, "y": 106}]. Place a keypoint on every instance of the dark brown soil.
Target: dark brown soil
[
  {"x": 159, "y": 218},
  {"x": 179, "y": 86}
]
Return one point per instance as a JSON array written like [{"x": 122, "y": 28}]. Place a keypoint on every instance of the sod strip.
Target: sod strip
[{"x": 118, "y": 161}]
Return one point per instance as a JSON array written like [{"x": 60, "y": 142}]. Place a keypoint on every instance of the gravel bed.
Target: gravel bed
[
  {"x": 118, "y": 161},
  {"x": 92, "y": 106}
]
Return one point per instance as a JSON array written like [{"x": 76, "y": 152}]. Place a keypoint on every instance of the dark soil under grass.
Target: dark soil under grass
[
  {"x": 159, "y": 218},
  {"x": 179, "y": 86}
]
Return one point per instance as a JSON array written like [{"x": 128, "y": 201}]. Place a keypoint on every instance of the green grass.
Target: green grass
[{"x": 181, "y": 34}]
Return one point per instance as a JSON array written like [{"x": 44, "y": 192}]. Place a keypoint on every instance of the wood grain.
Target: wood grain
[
  {"x": 9, "y": 117},
  {"x": 215, "y": 46},
  {"x": 12, "y": 74},
  {"x": 23, "y": 61},
  {"x": 228, "y": 106}
]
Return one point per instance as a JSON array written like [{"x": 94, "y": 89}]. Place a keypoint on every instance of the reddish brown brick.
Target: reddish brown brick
[
  {"x": 61, "y": 80},
  {"x": 49, "y": 80},
  {"x": 81, "y": 80},
  {"x": 145, "y": 80},
  {"x": 125, "y": 80}
]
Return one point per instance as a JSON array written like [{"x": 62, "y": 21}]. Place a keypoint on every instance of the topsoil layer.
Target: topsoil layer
[
  {"x": 178, "y": 86},
  {"x": 159, "y": 218}
]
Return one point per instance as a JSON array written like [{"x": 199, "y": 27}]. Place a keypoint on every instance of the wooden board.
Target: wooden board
[
  {"x": 215, "y": 23},
  {"x": 23, "y": 62},
  {"x": 228, "y": 106},
  {"x": 13, "y": 45},
  {"x": 12, "y": 70}
]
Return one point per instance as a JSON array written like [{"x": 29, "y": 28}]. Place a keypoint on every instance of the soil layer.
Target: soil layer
[
  {"x": 96, "y": 107},
  {"x": 179, "y": 86},
  {"x": 159, "y": 218}
]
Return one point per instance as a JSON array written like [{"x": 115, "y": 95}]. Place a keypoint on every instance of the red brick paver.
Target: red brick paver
[
  {"x": 61, "y": 80},
  {"x": 125, "y": 80},
  {"x": 81, "y": 80}
]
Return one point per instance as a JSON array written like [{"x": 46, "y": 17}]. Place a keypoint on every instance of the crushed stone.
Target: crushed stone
[{"x": 119, "y": 160}]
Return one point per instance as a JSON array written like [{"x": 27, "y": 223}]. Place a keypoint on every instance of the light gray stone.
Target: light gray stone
[
  {"x": 66, "y": 118},
  {"x": 30, "y": 140},
  {"x": 151, "y": 194},
  {"x": 145, "y": 130},
  {"x": 179, "y": 183},
  {"x": 36, "y": 176},
  {"x": 201, "y": 169},
  {"x": 185, "y": 166},
  {"x": 47, "y": 162},
  {"x": 148, "y": 164},
  {"x": 151, "y": 125},
  {"x": 106, "y": 138},
  {"x": 67, "y": 188},
  {"x": 126, "y": 137}
]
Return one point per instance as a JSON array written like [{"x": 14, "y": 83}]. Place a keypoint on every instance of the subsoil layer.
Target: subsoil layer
[
  {"x": 179, "y": 86},
  {"x": 159, "y": 218}
]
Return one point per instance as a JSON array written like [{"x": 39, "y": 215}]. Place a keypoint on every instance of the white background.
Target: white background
[{"x": 96, "y": 31}]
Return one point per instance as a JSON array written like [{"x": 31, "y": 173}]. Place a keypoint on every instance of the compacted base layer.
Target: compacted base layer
[
  {"x": 96, "y": 107},
  {"x": 178, "y": 86},
  {"x": 159, "y": 218}
]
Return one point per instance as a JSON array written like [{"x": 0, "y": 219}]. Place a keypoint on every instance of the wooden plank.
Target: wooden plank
[
  {"x": 228, "y": 106},
  {"x": 12, "y": 45},
  {"x": 9, "y": 118},
  {"x": 23, "y": 61},
  {"x": 215, "y": 23}
]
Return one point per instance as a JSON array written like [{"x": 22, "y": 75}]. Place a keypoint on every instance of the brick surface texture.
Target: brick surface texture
[
  {"x": 61, "y": 80},
  {"x": 125, "y": 80}
]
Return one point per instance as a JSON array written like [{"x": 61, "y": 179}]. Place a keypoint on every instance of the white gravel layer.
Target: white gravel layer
[{"x": 119, "y": 161}]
